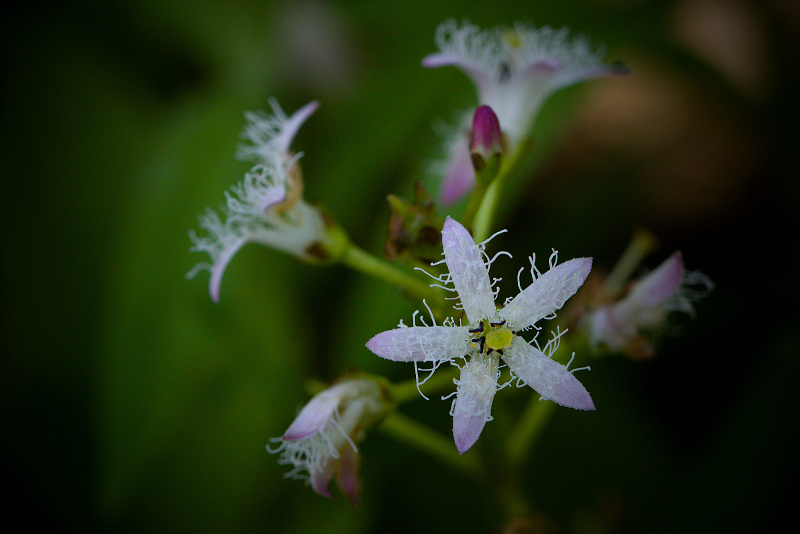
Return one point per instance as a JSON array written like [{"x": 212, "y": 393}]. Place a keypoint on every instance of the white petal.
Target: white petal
[
  {"x": 421, "y": 343},
  {"x": 270, "y": 136},
  {"x": 468, "y": 270},
  {"x": 548, "y": 377},
  {"x": 473, "y": 407},
  {"x": 315, "y": 414},
  {"x": 547, "y": 293}
]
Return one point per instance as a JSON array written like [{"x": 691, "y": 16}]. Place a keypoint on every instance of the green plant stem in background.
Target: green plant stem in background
[
  {"x": 364, "y": 262},
  {"x": 475, "y": 202},
  {"x": 439, "y": 382},
  {"x": 642, "y": 243},
  {"x": 490, "y": 196},
  {"x": 423, "y": 438},
  {"x": 522, "y": 439},
  {"x": 538, "y": 413}
]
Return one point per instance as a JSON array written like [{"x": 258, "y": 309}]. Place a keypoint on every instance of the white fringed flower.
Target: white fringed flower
[
  {"x": 491, "y": 335},
  {"x": 624, "y": 326},
  {"x": 267, "y": 206},
  {"x": 321, "y": 442},
  {"x": 514, "y": 70}
]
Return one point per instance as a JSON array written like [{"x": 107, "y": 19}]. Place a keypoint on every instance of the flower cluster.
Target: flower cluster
[
  {"x": 491, "y": 345},
  {"x": 491, "y": 334},
  {"x": 514, "y": 70}
]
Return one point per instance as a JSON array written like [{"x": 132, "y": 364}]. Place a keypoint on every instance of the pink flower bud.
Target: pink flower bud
[{"x": 487, "y": 140}]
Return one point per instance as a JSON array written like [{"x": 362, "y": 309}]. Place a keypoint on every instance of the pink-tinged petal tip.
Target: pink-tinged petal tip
[
  {"x": 549, "y": 378},
  {"x": 420, "y": 343},
  {"x": 658, "y": 284},
  {"x": 473, "y": 406}
]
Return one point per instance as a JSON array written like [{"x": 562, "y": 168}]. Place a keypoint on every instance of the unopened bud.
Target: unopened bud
[{"x": 487, "y": 139}]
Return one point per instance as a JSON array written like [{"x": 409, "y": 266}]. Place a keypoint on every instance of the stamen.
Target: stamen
[{"x": 479, "y": 329}]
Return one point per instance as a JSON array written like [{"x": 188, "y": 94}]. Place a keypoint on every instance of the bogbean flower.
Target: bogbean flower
[
  {"x": 321, "y": 442},
  {"x": 267, "y": 206},
  {"x": 490, "y": 335},
  {"x": 625, "y": 325},
  {"x": 514, "y": 70}
]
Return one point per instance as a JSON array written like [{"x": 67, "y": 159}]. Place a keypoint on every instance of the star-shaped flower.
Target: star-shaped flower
[
  {"x": 514, "y": 70},
  {"x": 491, "y": 335}
]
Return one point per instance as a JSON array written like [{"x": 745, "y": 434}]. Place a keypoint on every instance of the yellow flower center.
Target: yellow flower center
[{"x": 492, "y": 337}]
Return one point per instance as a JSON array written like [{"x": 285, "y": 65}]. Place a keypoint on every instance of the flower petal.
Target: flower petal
[
  {"x": 421, "y": 343},
  {"x": 659, "y": 284},
  {"x": 292, "y": 124},
  {"x": 473, "y": 406},
  {"x": 320, "y": 479},
  {"x": 347, "y": 476},
  {"x": 468, "y": 270},
  {"x": 221, "y": 244},
  {"x": 547, "y": 293},
  {"x": 315, "y": 414},
  {"x": 549, "y": 378},
  {"x": 459, "y": 176}
]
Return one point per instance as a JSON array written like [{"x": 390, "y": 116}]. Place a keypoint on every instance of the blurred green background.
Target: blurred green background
[{"x": 132, "y": 403}]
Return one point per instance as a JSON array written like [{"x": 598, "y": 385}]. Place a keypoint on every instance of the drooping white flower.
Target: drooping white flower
[
  {"x": 321, "y": 442},
  {"x": 514, "y": 70},
  {"x": 490, "y": 335},
  {"x": 624, "y": 325},
  {"x": 267, "y": 206}
]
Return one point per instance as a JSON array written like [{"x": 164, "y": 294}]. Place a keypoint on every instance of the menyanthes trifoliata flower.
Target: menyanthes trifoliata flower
[
  {"x": 321, "y": 442},
  {"x": 514, "y": 70},
  {"x": 267, "y": 207},
  {"x": 625, "y": 326},
  {"x": 491, "y": 334}
]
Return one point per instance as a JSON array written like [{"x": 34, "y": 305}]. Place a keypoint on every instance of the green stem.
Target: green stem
[
  {"x": 642, "y": 243},
  {"x": 433, "y": 443},
  {"x": 475, "y": 202},
  {"x": 535, "y": 417},
  {"x": 364, "y": 262},
  {"x": 484, "y": 217},
  {"x": 408, "y": 390}
]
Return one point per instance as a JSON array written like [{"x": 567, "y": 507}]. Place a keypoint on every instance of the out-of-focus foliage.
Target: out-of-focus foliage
[{"x": 132, "y": 403}]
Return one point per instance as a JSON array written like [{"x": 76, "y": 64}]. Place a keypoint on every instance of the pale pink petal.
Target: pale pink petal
[
  {"x": 549, "y": 378},
  {"x": 459, "y": 177},
  {"x": 473, "y": 69},
  {"x": 603, "y": 327},
  {"x": 421, "y": 343},
  {"x": 468, "y": 270},
  {"x": 292, "y": 125},
  {"x": 567, "y": 77},
  {"x": 320, "y": 479},
  {"x": 315, "y": 414},
  {"x": 473, "y": 406},
  {"x": 659, "y": 284},
  {"x": 547, "y": 293},
  {"x": 347, "y": 476},
  {"x": 221, "y": 263}
]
